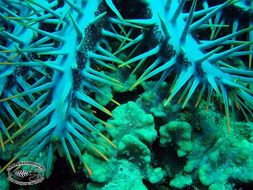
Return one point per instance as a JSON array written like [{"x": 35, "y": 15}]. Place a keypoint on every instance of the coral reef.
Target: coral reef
[
  {"x": 133, "y": 131},
  {"x": 137, "y": 94},
  {"x": 180, "y": 134},
  {"x": 196, "y": 153}
]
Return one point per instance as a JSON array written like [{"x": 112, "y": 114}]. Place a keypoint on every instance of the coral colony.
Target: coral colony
[{"x": 184, "y": 67}]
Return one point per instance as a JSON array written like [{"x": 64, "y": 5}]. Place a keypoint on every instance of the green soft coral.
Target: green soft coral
[
  {"x": 131, "y": 119},
  {"x": 180, "y": 181},
  {"x": 133, "y": 131},
  {"x": 114, "y": 174},
  {"x": 152, "y": 100},
  {"x": 178, "y": 133},
  {"x": 193, "y": 152},
  {"x": 232, "y": 160},
  {"x": 198, "y": 152},
  {"x": 219, "y": 159}
]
